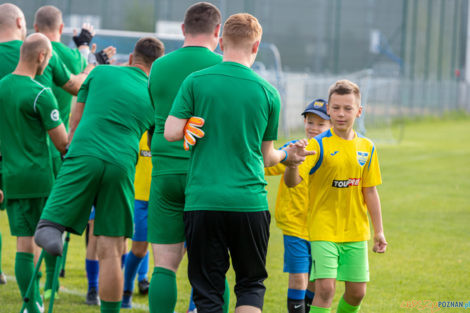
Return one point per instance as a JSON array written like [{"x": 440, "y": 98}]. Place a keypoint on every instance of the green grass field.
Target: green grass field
[{"x": 426, "y": 211}]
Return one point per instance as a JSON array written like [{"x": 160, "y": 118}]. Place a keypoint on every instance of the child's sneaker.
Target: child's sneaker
[
  {"x": 3, "y": 279},
  {"x": 126, "y": 300},
  {"x": 92, "y": 297},
  {"x": 144, "y": 286}
]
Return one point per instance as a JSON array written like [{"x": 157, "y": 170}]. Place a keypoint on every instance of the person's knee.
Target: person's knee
[
  {"x": 325, "y": 290},
  {"x": 298, "y": 281},
  {"x": 109, "y": 247},
  {"x": 354, "y": 294},
  {"x": 168, "y": 256},
  {"x": 139, "y": 248}
]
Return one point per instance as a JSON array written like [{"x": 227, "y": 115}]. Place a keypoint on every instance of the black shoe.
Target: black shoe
[
  {"x": 144, "y": 286},
  {"x": 92, "y": 297}
]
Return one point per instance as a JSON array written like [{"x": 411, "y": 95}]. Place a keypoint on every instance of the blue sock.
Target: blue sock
[
  {"x": 143, "y": 268},
  {"x": 130, "y": 270},
  {"x": 192, "y": 305},
  {"x": 295, "y": 294},
  {"x": 123, "y": 260},
  {"x": 92, "y": 273}
]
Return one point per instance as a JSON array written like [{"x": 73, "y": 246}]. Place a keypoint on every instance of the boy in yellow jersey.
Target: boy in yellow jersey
[
  {"x": 137, "y": 258},
  {"x": 342, "y": 177},
  {"x": 291, "y": 218}
]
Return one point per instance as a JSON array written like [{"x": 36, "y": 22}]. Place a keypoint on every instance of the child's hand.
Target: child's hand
[
  {"x": 1, "y": 196},
  {"x": 296, "y": 152},
  {"x": 380, "y": 244}
]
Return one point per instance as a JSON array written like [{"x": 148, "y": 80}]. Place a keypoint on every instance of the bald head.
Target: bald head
[
  {"x": 48, "y": 19},
  {"x": 12, "y": 22},
  {"x": 36, "y": 51}
]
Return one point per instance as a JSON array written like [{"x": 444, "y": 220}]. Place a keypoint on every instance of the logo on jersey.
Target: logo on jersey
[
  {"x": 145, "y": 153},
  {"x": 334, "y": 153},
  {"x": 318, "y": 104},
  {"x": 55, "y": 115},
  {"x": 346, "y": 183},
  {"x": 362, "y": 157}
]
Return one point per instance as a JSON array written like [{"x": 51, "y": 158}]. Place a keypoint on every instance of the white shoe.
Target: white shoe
[
  {"x": 39, "y": 306},
  {"x": 3, "y": 279}
]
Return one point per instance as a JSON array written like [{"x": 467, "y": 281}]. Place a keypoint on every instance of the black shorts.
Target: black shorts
[{"x": 210, "y": 237}]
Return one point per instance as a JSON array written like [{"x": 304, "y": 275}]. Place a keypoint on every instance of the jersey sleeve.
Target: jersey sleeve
[
  {"x": 46, "y": 106},
  {"x": 273, "y": 117},
  {"x": 183, "y": 105},
  {"x": 311, "y": 161},
  {"x": 371, "y": 176},
  {"x": 83, "y": 92},
  {"x": 60, "y": 72},
  {"x": 275, "y": 170}
]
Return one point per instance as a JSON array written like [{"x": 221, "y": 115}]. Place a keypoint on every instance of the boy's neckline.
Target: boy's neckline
[{"x": 353, "y": 134}]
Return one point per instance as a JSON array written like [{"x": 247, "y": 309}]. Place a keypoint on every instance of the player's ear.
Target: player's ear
[
  {"x": 36, "y": 28},
  {"x": 217, "y": 31},
  {"x": 19, "y": 23},
  {"x": 182, "y": 29},
  {"x": 61, "y": 28},
  {"x": 131, "y": 58},
  {"x": 221, "y": 44},
  {"x": 359, "y": 112},
  {"x": 255, "y": 47}
]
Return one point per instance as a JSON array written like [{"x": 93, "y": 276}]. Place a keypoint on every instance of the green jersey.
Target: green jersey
[
  {"x": 10, "y": 52},
  {"x": 75, "y": 63},
  {"x": 241, "y": 110},
  {"x": 55, "y": 72},
  {"x": 27, "y": 111},
  {"x": 117, "y": 112},
  {"x": 166, "y": 76}
]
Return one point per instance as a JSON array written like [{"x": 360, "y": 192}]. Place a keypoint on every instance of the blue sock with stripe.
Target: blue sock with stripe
[
  {"x": 92, "y": 273},
  {"x": 130, "y": 270}
]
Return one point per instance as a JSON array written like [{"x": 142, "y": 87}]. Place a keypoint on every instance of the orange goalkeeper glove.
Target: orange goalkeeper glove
[{"x": 191, "y": 130}]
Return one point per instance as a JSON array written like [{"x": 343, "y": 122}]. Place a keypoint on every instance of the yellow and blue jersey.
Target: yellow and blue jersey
[
  {"x": 335, "y": 176},
  {"x": 291, "y": 205},
  {"x": 143, "y": 171}
]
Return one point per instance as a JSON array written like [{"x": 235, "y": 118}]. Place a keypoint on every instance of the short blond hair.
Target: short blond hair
[
  {"x": 241, "y": 29},
  {"x": 345, "y": 87}
]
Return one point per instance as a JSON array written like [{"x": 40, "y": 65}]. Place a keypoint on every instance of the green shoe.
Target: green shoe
[{"x": 48, "y": 294}]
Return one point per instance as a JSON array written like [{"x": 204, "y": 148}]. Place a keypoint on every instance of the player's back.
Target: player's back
[
  {"x": 117, "y": 112},
  {"x": 240, "y": 110},
  {"x": 166, "y": 76},
  {"x": 10, "y": 52},
  {"x": 25, "y": 146}
]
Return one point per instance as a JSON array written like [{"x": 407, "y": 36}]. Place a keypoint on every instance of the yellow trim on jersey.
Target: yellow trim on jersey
[
  {"x": 143, "y": 171},
  {"x": 291, "y": 205},
  {"x": 336, "y": 175}
]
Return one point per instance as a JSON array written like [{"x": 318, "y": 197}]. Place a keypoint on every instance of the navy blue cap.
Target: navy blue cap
[{"x": 318, "y": 107}]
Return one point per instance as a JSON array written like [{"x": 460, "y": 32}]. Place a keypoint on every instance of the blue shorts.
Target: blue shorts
[
  {"x": 140, "y": 220},
  {"x": 297, "y": 255},
  {"x": 92, "y": 214}
]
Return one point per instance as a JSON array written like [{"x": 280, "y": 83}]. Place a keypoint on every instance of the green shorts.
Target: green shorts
[
  {"x": 345, "y": 261},
  {"x": 85, "y": 181},
  {"x": 166, "y": 207},
  {"x": 23, "y": 215}
]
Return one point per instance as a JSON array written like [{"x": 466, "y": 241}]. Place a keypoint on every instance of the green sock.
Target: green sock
[
  {"x": 110, "y": 307},
  {"x": 226, "y": 297},
  {"x": 344, "y": 307},
  {"x": 316, "y": 309},
  {"x": 162, "y": 291},
  {"x": 50, "y": 267},
  {"x": 24, "y": 269}
]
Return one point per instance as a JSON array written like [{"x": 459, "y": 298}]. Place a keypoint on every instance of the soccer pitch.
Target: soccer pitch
[{"x": 426, "y": 213}]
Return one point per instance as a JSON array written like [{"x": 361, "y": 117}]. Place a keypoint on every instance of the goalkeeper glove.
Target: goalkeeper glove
[
  {"x": 191, "y": 131},
  {"x": 84, "y": 38},
  {"x": 99, "y": 57}
]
